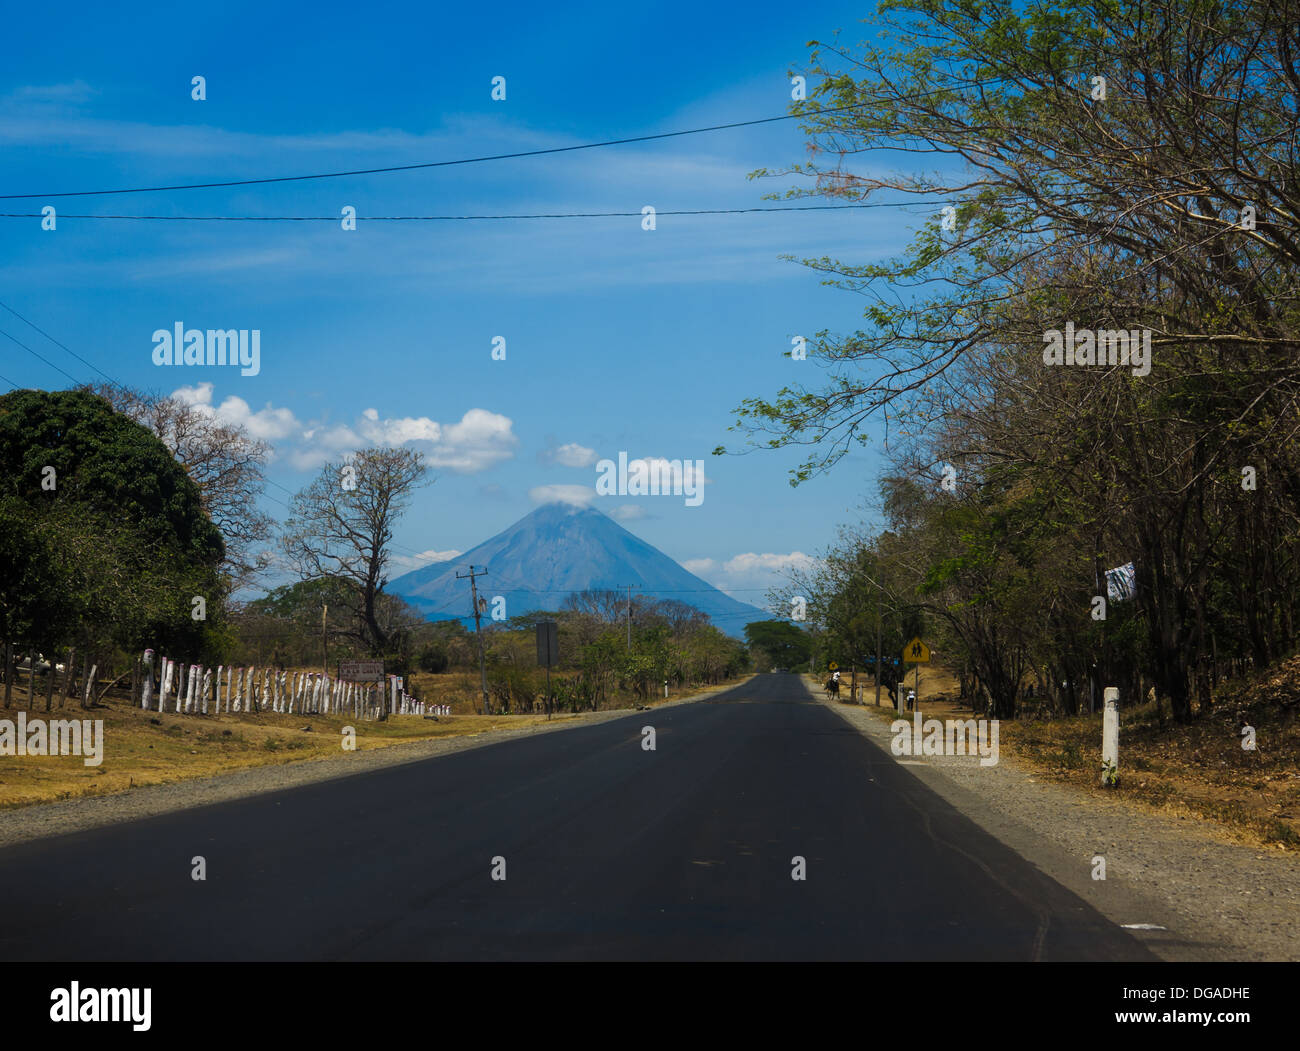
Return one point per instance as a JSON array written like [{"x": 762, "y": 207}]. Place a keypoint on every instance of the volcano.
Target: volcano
[{"x": 559, "y": 549}]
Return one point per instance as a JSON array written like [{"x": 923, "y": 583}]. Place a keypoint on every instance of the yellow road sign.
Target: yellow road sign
[
  {"x": 916, "y": 652},
  {"x": 832, "y": 666}
]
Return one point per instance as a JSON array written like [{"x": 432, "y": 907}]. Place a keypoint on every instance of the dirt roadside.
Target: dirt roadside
[{"x": 1215, "y": 899}]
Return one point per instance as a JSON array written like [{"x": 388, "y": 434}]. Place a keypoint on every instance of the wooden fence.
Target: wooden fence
[{"x": 193, "y": 689}]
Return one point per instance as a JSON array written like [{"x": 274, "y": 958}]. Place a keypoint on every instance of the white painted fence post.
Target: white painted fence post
[
  {"x": 164, "y": 677},
  {"x": 1110, "y": 738},
  {"x": 147, "y": 693}
]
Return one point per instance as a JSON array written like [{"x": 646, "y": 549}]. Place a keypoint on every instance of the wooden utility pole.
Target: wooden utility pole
[
  {"x": 880, "y": 618},
  {"x": 478, "y": 633},
  {"x": 629, "y": 612},
  {"x": 324, "y": 641}
]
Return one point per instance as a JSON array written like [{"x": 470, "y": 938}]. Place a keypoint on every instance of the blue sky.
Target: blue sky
[{"x": 617, "y": 339}]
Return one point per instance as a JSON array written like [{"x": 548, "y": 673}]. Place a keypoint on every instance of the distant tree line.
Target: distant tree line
[{"x": 670, "y": 642}]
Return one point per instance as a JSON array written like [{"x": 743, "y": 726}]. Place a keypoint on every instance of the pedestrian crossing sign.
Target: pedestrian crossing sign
[{"x": 916, "y": 652}]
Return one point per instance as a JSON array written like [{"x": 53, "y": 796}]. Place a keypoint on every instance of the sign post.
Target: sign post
[
  {"x": 361, "y": 671},
  {"x": 918, "y": 653},
  {"x": 365, "y": 671}
]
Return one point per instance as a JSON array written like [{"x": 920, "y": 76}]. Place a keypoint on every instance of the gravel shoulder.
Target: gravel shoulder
[
  {"x": 1217, "y": 900},
  {"x": 76, "y": 815}
]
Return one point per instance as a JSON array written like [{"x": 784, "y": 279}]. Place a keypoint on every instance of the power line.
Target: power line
[
  {"x": 510, "y": 156},
  {"x": 38, "y": 356},
  {"x": 417, "y": 167},
  {"x": 461, "y": 218},
  {"x": 60, "y": 345}
]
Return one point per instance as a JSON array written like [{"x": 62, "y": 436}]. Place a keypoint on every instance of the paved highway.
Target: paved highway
[{"x": 610, "y": 852}]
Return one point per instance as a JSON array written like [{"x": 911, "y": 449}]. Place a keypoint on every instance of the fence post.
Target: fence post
[
  {"x": 146, "y": 692},
  {"x": 1110, "y": 738}
]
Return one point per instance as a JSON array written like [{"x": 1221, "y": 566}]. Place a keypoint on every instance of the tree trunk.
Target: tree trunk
[
  {"x": 90, "y": 686},
  {"x": 9, "y": 672},
  {"x": 69, "y": 675}
]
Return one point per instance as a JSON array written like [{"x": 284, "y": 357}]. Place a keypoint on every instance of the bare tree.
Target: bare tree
[
  {"x": 342, "y": 524},
  {"x": 225, "y": 462}
]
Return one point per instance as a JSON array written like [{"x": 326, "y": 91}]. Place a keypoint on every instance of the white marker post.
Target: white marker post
[
  {"x": 146, "y": 694},
  {"x": 1110, "y": 737}
]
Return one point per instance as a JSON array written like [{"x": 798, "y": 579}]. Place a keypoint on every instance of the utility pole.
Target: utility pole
[
  {"x": 478, "y": 633},
  {"x": 880, "y": 619},
  {"x": 324, "y": 641},
  {"x": 629, "y": 612}
]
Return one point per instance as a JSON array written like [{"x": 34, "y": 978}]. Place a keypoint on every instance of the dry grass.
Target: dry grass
[{"x": 1196, "y": 770}]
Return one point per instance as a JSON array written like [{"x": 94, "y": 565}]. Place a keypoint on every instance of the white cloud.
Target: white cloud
[
  {"x": 266, "y": 423},
  {"x": 408, "y": 562},
  {"x": 768, "y": 563},
  {"x": 577, "y": 495},
  {"x": 571, "y": 454},
  {"x": 628, "y": 512},
  {"x": 481, "y": 439},
  {"x": 320, "y": 444},
  {"x": 397, "y": 430},
  {"x": 746, "y": 575}
]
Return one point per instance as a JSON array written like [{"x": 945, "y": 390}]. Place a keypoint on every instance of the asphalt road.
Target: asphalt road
[{"x": 611, "y": 852}]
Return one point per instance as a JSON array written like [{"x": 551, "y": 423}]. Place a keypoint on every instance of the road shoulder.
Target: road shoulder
[{"x": 1216, "y": 900}]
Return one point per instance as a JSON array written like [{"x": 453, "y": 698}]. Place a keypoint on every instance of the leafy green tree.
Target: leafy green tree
[
  {"x": 121, "y": 541},
  {"x": 783, "y": 644}
]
